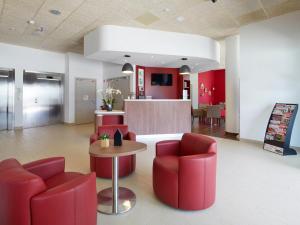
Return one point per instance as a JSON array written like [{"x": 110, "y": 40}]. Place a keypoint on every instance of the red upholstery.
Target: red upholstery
[
  {"x": 112, "y": 119},
  {"x": 28, "y": 198},
  {"x": 184, "y": 172},
  {"x": 103, "y": 166}
]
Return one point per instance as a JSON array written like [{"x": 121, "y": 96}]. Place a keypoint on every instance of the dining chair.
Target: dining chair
[{"x": 214, "y": 113}]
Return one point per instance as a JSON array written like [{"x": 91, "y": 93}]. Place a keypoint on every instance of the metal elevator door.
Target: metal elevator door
[
  {"x": 42, "y": 99},
  {"x": 85, "y": 100},
  {"x": 6, "y": 99}
]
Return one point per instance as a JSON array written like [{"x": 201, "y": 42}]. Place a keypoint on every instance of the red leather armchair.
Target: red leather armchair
[
  {"x": 184, "y": 172},
  {"x": 103, "y": 166},
  {"x": 42, "y": 193}
]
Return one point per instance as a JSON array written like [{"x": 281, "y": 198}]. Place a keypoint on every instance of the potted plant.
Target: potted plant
[{"x": 104, "y": 140}]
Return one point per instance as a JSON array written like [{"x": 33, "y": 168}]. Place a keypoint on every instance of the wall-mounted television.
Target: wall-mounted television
[{"x": 161, "y": 79}]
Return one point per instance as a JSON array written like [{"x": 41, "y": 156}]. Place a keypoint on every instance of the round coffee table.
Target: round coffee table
[{"x": 116, "y": 200}]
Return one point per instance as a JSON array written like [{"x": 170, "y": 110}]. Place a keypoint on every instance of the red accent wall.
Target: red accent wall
[
  {"x": 161, "y": 92},
  {"x": 210, "y": 79},
  {"x": 219, "y": 82}
]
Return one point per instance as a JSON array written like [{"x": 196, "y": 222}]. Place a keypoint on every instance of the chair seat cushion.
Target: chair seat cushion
[{"x": 61, "y": 179}]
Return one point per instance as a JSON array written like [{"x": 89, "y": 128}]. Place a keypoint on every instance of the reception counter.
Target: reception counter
[{"x": 157, "y": 116}]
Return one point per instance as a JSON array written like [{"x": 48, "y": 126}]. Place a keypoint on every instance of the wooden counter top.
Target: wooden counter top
[
  {"x": 128, "y": 148},
  {"x": 157, "y": 100},
  {"x": 105, "y": 112}
]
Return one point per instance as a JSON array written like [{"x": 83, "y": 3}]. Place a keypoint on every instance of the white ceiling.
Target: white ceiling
[{"x": 78, "y": 17}]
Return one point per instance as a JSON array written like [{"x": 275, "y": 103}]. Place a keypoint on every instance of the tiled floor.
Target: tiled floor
[{"x": 254, "y": 187}]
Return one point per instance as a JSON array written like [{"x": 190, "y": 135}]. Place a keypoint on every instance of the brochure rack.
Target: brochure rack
[{"x": 279, "y": 129}]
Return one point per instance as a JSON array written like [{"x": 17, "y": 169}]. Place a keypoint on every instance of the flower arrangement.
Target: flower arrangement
[{"x": 109, "y": 95}]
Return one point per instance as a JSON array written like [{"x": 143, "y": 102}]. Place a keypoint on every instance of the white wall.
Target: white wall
[
  {"x": 23, "y": 58},
  {"x": 270, "y": 53},
  {"x": 232, "y": 63},
  {"x": 222, "y": 54},
  {"x": 79, "y": 67}
]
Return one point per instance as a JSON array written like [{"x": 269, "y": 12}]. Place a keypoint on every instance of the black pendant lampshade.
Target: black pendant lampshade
[
  {"x": 127, "y": 68},
  {"x": 184, "y": 70}
]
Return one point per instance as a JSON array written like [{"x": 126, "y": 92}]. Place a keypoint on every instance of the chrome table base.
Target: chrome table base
[
  {"x": 126, "y": 201},
  {"x": 115, "y": 200}
]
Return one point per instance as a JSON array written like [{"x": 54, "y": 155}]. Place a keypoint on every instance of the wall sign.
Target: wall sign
[
  {"x": 141, "y": 77},
  {"x": 279, "y": 129}
]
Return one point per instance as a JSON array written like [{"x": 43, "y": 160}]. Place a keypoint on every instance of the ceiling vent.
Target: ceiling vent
[{"x": 147, "y": 18}]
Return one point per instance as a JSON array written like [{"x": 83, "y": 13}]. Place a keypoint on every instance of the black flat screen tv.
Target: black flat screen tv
[{"x": 161, "y": 79}]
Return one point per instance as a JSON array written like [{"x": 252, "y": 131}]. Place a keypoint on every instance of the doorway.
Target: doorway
[
  {"x": 85, "y": 100},
  {"x": 42, "y": 98},
  {"x": 7, "y": 77}
]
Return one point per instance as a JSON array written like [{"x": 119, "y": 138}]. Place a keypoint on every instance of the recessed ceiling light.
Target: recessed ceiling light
[
  {"x": 55, "y": 12},
  {"x": 180, "y": 18},
  {"x": 31, "y": 22},
  {"x": 166, "y": 10}
]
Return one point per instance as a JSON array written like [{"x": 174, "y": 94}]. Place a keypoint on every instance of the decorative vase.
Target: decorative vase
[
  {"x": 109, "y": 107},
  {"x": 104, "y": 143}
]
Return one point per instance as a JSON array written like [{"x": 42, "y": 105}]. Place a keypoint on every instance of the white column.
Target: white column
[
  {"x": 232, "y": 58},
  {"x": 133, "y": 80},
  {"x": 194, "y": 90}
]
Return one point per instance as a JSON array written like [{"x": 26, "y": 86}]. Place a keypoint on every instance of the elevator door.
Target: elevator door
[
  {"x": 85, "y": 100},
  {"x": 6, "y": 99},
  {"x": 42, "y": 99}
]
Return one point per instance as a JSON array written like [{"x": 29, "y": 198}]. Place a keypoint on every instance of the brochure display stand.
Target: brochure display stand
[{"x": 279, "y": 129}]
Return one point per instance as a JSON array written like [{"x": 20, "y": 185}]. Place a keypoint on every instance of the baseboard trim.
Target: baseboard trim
[
  {"x": 69, "y": 124},
  {"x": 261, "y": 143},
  {"x": 251, "y": 141},
  {"x": 230, "y": 133}
]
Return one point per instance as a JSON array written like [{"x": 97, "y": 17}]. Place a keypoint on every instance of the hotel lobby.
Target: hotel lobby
[{"x": 149, "y": 112}]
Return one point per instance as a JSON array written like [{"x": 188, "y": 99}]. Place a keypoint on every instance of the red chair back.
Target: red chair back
[
  {"x": 17, "y": 187},
  {"x": 192, "y": 144},
  {"x": 111, "y": 130}
]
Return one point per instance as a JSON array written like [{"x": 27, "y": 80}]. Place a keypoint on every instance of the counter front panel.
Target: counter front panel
[{"x": 158, "y": 116}]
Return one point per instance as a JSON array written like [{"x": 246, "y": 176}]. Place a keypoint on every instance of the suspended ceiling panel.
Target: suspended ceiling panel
[
  {"x": 78, "y": 17},
  {"x": 150, "y": 47}
]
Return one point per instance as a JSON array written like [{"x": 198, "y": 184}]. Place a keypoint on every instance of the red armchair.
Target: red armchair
[
  {"x": 102, "y": 166},
  {"x": 42, "y": 193},
  {"x": 184, "y": 172}
]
